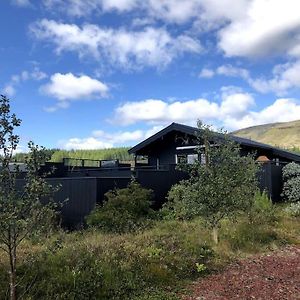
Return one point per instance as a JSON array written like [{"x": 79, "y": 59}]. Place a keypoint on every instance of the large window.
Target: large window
[
  {"x": 186, "y": 158},
  {"x": 192, "y": 158}
]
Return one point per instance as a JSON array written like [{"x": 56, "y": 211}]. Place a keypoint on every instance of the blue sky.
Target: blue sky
[{"x": 87, "y": 74}]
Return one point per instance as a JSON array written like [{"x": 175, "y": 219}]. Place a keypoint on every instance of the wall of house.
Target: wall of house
[{"x": 164, "y": 150}]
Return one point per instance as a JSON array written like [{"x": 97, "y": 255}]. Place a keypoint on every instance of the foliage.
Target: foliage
[
  {"x": 263, "y": 210},
  {"x": 91, "y": 265},
  {"x": 148, "y": 265},
  {"x": 21, "y": 211},
  {"x": 291, "y": 185},
  {"x": 293, "y": 209},
  {"x": 123, "y": 210},
  {"x": 21, "y": 157},
  {"x": 222, "y": 187},
  {"x": 100, "y": 154}
]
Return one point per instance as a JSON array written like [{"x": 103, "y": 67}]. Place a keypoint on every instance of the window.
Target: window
[{"x": 192, "y": 158}]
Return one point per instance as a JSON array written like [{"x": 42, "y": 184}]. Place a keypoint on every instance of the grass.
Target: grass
[
  {"x": 152, "y": 264},
  {"x": 284, "y": 135}
]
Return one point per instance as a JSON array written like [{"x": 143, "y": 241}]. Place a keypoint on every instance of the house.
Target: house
[
  {"x": 166, "y": 148},
  {"x": 177, "y": 140}
]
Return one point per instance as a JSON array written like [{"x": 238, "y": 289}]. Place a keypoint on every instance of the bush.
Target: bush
[
  {"x": 291, "y": 186},
  {"x": 91, "y": 265},
  {"x": 263, "y": 210},
  {"x": 124, "y": 210},
  {"x": 293, "y": 209}
]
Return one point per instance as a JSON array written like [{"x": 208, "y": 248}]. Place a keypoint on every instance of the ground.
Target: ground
[{"x": 273, "y": 276}]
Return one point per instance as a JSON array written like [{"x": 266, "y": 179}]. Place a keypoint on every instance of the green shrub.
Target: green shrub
[
  {"x": 91, "y": 265},
  {"x": 293, "y": 209},
  {"x": 263, "y": 211},
  {"x": 124, "y": 210},
  {"x": 291, "y": 185},
  {"x": 249, "y": 237}
]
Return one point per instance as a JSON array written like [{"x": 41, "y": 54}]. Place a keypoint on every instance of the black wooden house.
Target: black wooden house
[{"x": 176, "y": 140}]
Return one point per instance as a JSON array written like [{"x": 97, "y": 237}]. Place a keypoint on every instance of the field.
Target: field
[{"x": 157, "y": 263}]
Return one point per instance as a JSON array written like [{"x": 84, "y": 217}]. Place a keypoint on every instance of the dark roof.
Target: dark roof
[{"x": 192, "y": 131}]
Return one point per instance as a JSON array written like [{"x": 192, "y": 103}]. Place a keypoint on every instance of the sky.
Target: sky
[{"x": 92, "y": 74}]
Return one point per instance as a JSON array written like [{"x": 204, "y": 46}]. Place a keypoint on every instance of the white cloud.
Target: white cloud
[
  {"x": 285, "y": 77},
  {"x": 68, "y": 87},
  {"x": 234, "y": 111},
  {"x": 8, "y": 90},
  {"x": 282, "y": 110},
  {"x": 267, "y": 28},
  {"x": 225, "y": 70},
  {"x": 231, "y": 71},
  {"x": 80, "y": 8},
  {"x": 85, "y": 143},
  {"x": 206, "y": 73},
  {"x": 100, "y": 139},
  {"x": 158, "y": 111},
  {"x": 153, "y": 47},
  {"x": 21, "y": 3}
]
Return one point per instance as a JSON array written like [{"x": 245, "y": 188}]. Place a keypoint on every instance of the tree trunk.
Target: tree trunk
[
  {"x": 13, "y": 274},
  {"x": 215, "y": 235}
]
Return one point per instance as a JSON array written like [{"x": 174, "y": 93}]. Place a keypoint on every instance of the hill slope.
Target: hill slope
[{"x": 284, "y": 135}]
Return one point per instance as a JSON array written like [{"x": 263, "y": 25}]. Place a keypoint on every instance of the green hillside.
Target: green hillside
[
  {"x": 284, "y": 135},
  {"x": 113, "y": 153},
  {"x": 57, "y": 155}
]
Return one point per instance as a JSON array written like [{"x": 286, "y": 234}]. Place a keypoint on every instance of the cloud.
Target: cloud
[
  {"x": 69, "y": 87},
  {"x": 100, "y": 139},
  {"x": 21, "y": 3},
  {"x": 246, "y": 28},
  {"x": 80, "y": 8},
  {"x": 159, "y": 111},
  {"x": 84, "y": 143},
  {"x": 234, "y": 111},
  {"x": 282, "y": 110},
  {"x": 206, "y": 73},
  {"x": 10, "y": 88},
  {"x": 153, "y": 47},
  {"x": 284, "y": 77},
  {"x": 266, "y": 28}
]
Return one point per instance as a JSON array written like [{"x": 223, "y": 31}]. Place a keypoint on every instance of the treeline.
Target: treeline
[
  {"x": 112, "y": 153},
  {"x": 57, "y": 155}
]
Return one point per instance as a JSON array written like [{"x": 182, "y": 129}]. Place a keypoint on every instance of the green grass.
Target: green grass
[{"x": 153, "y": 264}]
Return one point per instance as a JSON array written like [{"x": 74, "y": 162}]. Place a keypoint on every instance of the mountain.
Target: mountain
[{"x": 284, "y": 135}]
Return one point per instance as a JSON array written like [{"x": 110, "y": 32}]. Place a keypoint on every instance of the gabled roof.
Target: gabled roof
[{"x": 192, "y": 131}]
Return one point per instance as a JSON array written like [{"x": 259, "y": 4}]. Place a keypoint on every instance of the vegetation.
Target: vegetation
[
  {"x": 284, "y": 135},
  {"x": 21, "y": 157},
  {"x": 221, "y": 187},
  {"x": 124, "y": 210},
  {"x": 149, "y": 264},
  {"x": 101, "y": 154},
  {"x": 118, "y": 256},
  {"x": 21, "y": 211},
  {"x": 291, "y": 186}
]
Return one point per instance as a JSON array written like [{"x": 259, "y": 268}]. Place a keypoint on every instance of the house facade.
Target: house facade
[{"x": 178, "y": 141}]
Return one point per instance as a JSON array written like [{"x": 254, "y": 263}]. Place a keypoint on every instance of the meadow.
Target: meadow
[{"x": 154, "y": 263}]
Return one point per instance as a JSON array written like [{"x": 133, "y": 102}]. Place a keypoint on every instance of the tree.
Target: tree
[
  {"x": 221, "y": 183},
  {"x": 291, "y": 185},
  {"x": 21, "y": 210}
]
